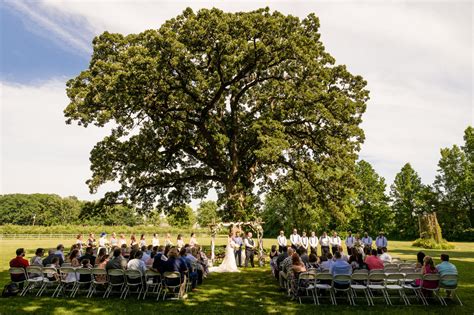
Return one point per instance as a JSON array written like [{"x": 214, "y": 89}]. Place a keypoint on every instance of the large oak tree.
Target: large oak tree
[{"x": 234, "y": 101}]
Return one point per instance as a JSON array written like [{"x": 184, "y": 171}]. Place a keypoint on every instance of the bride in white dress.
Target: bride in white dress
[{"x": 228, "y": 264}]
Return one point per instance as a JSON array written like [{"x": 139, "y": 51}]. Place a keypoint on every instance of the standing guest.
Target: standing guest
[
  {"x": 19, "y": 262},
  {"x": 133, "y": 240},
  {"x": 429, "y": 268},
  {"x": 114, "y": 242},
  {"x": 325, "y": 242},
  {"x": 313, "y": 243},
  {"x": 381, "y": 241},
  {"x": 122, "y": 241},
  {"x": 103, "y": 241},
  {"x": 179, "y": 242},
  {"x": 193, "y": 241},
  {"x": 386, "y": 258},
  {"x": 60, "y": 251},
  {"x": 305, "y": 242},
  {"x": 89, "y": 255},
  {"x": 168, "y": 241},
  {"x": 238, "y": 249},
  {"x": 37, "y": 259},
  {"x": 335, "y": 242},
  {"x": 358, "y": 245},
  {"x": 373, "y": 262},
  {"x": 447, "y": 268},
  {"x": 51, "y": 254},
  {"x": 91, "y": 240},
  {"x": 249, "y": 249},
  {"x": 79, "y": 242},
  {"x": 340, "y": 267},
  {"x": 367, "y": 241},
  {"x": 281, "y": 239},
  {"x": 155, "y": 241},
  {"x": 419, "y": 259},
  {"x": 142, "y": 241},
  {"x": 295, "y": 239},
  {"x": 350, "y": 242}
]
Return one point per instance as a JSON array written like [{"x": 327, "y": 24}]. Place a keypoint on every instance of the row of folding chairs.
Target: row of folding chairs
[
  {"x": 60, "y": 282},
  {"x": 313, "y": 283}
]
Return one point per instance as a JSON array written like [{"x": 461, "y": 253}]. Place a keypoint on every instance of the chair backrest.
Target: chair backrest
[
  {"x": 172, "y": 278},
  {"x": 407, "y": 270},
  {"x": 34, "y": 270},
  {"x": 413, "y": 276},
  {"x": 133, "y": 274},
  {"x": 66, "y": 265},
  {"x": 376, "y": 271},
  {"x": 152, "y": 273},
  {"x": 394, "y": 276},
  {"x": 65, "y": 270},
  {"x": 323, "y": 276},
  {"x": 17, "y": 271},
  {"x": 405, "y": 265},
  {"x": 360, "y": 276},
  {"x": 452, "y": 278},
  {"x": 361, "y": 271},
  {"x": 431, "y": 277},
  {"x": 342, "y": 278},
  {"x": 307, "y": 276},
  {"x": 390, "y": 265},
  {"x": 115, "y": 272},
  {"x": 391, "y": 270},
  {"x": 99, "y": 271},
  {"x": 376, "y": 277}
]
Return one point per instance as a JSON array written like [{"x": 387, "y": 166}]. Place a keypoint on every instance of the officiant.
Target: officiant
[{"x": 238, "y": 250}]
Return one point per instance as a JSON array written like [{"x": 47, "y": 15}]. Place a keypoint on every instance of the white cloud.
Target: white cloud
[{"x": 416, "y": 57}]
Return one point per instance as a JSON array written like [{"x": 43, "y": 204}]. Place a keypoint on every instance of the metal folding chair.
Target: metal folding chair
[
  {"x": 435, "y": 291},
  {"x": 376, "y": 283},
  {"x": 326, "y": 277},
  {"x": 171, "y": 282},
  {"x": 99, "y": 278},
  {"x": 134, "y": 280},
  {"x": 344, "y": 279},
  {"x": 152, "y": 283},
  {"x": 306, "y": 283},
  {"x": 359, "y": 283},
  {"x": 83, "y": 282},
  {"x": 51, "y": 278},
  {"x": 116, "y": 280},
  {"x": 408, "y": 286},
  {"x": 449, "y": 288},
  {"x": 17, "y": 272},
  {"x": 393, "y": 282},
  {"x": 67, "y": 283}
]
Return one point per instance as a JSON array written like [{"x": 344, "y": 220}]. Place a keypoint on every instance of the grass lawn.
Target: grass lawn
[{"x": 251, "y": 291}]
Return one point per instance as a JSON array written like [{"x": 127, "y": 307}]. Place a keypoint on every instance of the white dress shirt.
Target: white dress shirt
[
  {"x": 122, "y": 241},
  {"x": 155, "y": 241},
  {"x": 324, "y": 241},
  {"x": 137, "y": 264},
  {"x": 102, "y": 241},
  {"x": 313, "y": 241},
  {"x": 247, "y": 243},
  {"x": 350, "y": 240},
  {"x": 386, "y": 257},
  {"x": 304, "y": 242},
  {"x": 281, "y": 240},
  {"x": 295, "y": 239},
  {"x": 335, "y": 241}
]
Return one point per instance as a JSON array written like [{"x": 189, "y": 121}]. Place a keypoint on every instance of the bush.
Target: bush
[{"x": 430, "y": 243}]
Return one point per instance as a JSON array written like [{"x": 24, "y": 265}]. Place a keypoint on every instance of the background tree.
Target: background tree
[
  {"x": 408, "y": 200},
  {"x": 207, "y": 212},
  {"x": 97, "y": 213},
  {"x": 455, "y": 187},
  {"x": 182, "y": 217},
  {"x": 224, "y": 100},
  {"x": 372, "y": 211}
]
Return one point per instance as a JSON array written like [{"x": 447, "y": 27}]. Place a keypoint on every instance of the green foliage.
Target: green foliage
[
  {"x": 225, "y": 100},
  {"x": 407, "y": 194},
  {"x": 372, "y": 211},
  {"x": 207, "y": 212},
  {"x": 182, "y": 217},
  {"x": 431, "y": 244},
  {"x": 96, "y": 212},
  {"x": 455, "y": 186}
]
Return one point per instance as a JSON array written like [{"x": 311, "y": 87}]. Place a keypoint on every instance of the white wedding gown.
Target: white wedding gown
[{"x": 228, "y": 264}]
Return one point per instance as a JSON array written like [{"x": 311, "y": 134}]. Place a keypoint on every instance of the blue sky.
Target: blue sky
[{"x": 417, "y": 59}]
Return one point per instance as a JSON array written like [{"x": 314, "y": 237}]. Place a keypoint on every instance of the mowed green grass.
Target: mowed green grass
[{"x": 251, "y": 291}]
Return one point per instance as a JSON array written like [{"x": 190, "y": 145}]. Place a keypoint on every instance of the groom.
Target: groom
[{"x": 249, "y": 248}]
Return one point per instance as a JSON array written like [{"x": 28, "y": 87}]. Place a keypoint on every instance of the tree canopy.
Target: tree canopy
[{"x": 231, "y": 101}]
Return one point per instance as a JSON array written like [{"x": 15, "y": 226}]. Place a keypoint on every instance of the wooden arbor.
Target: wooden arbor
[{"x": 255, "y": 226}]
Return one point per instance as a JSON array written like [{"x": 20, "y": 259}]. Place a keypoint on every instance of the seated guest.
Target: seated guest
[
  {"x": 203, "y": 260},
  {"x": 200, "y": 269},
  {"x": 429, "y": 268},
  {"x": 54, "y": 264},
  {"x": 447, "y": 268},
  {"x": 102, "y": 262},
  {"x": 303, "y": 254},
  {"x": 88, "y": 255},
  {"x": 374, "y": 262},
  {"x": 85, "y": 265},
  {"x": 419, "y": 259},
  {"x": 273, "y": 252},
  {"x": 386, "y": 258},
  {"x": 356, "y": 261},
  {"x": 340, "y": 267},
  {"x": 117, "y": 261},
  {"x": 102, "y": 252},
  {"x": 190, "y": 261},
  {"x": 137, "y": 263},
  {"x": 159, "y": 260},
  {"x": 37, "y": 259},
  {"x": 60, "y": 251},
  {"x": 19, "y": 262},
  {"x": 174, "y": 263},
  {"x": 297, "y": 265},
  {"x": 285, "y": 266},
  {"x": 343, "y": 256},
  {"x": 326, "y": 262},
  {"x": 73, "y": 258},
  {"x": 146, "y": 255},
  {"x": 282, "y": 256},
  {"x": 313, "y": 262},
  {"x": 51, "y": 254}
]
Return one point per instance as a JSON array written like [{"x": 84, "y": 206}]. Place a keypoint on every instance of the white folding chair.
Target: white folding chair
[
  {"x": 451, "y": 287},
  {"x": 306, "y": 283},
  {"x": 19, "y": 273},
  {"x": 434, "y": 278},
  {"x": 51, "y": 278},
  {"x": 359, "y": 283},
  {"x": 324, "y": 286},
  {"x": 116, "y": 280},
  {"x": 393, "y": 282},
  {"x": 410, "y": 278},
  {"x": 376, "y": 283},
  {"x": 342, "y": 279},
  {"x": 84, "y": 279},
  {"x": 152, "y": 283},
  {"x": 134, "y": 280},
  {"x": 99, "y": 278},
  {"x": 34, "y": 278},
  {"x": 68, "y": 281},
  {"x": 171, "y": 282}
]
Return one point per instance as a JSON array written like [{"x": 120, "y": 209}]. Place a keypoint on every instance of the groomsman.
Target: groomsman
[
  {"x": 367, "y": 241},
  {"x": 281, "y": 239},
  {"x": 305, "y": 242},
  {"x": 335, "y": 242},
  {"x": 313, "y": 243},
  {"x": 350, "y": 241},
  {"x": 249, "y": 249},
  {"x": 238, "y": 250},
  {"x": 381, "y": 242},
  {"x": 324, "y": 241},
  {"x": 295, "y": 239}
]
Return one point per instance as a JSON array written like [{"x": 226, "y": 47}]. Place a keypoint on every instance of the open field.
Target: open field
[{"x": 252, "y": 291}]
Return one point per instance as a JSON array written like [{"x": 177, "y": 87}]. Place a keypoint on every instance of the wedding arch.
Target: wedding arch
[{"x": 255, "y": 226}]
